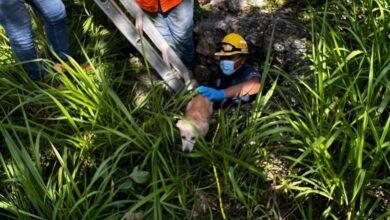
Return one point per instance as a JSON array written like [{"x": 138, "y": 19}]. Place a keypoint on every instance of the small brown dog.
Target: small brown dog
[{"x": 195, "y": 124}]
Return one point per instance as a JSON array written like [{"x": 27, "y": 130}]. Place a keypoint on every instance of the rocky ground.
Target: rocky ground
[{"x": 255, "y": 21}]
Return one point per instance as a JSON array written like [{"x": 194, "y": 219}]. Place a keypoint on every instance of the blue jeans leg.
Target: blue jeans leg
[
  {"x": 177, "y": 27},
  {"x": 16, "y": 20},
  {"x": 54, "y": 16},
  {"x": 181, "y": 25},
  {"x": 160, "y": 22}
]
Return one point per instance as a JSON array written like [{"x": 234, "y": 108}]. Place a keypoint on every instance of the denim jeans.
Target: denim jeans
[
  {"x": 176, "y": 26},
  {"x": 15, "y": 18}
]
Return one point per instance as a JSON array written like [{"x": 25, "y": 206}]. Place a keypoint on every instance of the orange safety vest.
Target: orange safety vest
[{"x": 152, "y": 5}]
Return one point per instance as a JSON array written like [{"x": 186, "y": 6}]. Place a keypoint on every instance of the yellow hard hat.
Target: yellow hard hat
[{"x": 233, "y": 44}]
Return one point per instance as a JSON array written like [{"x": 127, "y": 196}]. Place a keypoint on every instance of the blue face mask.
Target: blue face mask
[{"x": 227, "y": 67}]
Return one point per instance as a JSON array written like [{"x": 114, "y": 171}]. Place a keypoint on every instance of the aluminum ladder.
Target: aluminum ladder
[{"x": 156, "y": 50}]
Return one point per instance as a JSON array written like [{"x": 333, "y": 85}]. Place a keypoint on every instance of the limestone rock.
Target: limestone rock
[
  {"x": 237, "y": 5},
  {"x": 202, "y": 72},
  {"x": 212, "y": 29},
  {"x": 290, "y": 42}
]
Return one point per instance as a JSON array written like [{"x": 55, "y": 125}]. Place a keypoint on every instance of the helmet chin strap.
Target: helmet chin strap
[{"x": 239, "y": 66}]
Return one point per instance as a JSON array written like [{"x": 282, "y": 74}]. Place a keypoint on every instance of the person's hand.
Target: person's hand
[{"x": 211, "y": 94}]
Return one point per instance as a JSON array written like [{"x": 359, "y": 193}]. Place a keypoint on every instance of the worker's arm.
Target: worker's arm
[{"x": 250, "y": 87}]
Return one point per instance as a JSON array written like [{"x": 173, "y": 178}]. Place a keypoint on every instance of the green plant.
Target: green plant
[
  {"x": 105, "y": 146},
  {"x": 342, "y": 127}
]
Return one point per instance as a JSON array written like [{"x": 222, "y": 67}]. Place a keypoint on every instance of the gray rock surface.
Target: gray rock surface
[
  {"x": 289, "y": 44},
  {"x": 237, "y": 5},
  {"x": 210, "y": 31}
]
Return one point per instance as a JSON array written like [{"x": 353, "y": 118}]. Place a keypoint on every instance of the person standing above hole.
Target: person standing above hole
[
  {"x": 175, "y": 21},
  {"x": 15, "y": 18}
]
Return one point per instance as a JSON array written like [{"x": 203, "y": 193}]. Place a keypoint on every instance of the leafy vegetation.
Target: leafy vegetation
[{"x": 104, "y": 145}]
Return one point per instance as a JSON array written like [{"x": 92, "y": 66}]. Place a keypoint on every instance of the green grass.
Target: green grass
[{"x": 106, "y": 147}]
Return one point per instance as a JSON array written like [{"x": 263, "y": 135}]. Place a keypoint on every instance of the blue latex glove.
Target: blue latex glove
[{"x": 211, "y": 94}]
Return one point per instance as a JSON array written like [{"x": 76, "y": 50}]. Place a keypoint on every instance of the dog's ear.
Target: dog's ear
[{"x": 179, "y": 123}]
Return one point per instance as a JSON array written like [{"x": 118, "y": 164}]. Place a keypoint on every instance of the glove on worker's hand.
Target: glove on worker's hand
[{"x": 211, "y": 94}]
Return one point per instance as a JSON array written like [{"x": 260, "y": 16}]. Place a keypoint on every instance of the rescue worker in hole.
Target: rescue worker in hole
[{"x": 237, "y": 81}]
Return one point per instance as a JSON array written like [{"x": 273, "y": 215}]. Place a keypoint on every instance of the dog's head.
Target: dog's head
[{"x": 189, "y": 134}]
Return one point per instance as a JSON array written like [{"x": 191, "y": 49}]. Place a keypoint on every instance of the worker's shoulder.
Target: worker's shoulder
[{"x": 249, "y": 70}]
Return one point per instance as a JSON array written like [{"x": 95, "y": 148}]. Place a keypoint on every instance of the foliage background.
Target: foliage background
[{"x": 105, "y": 146}]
